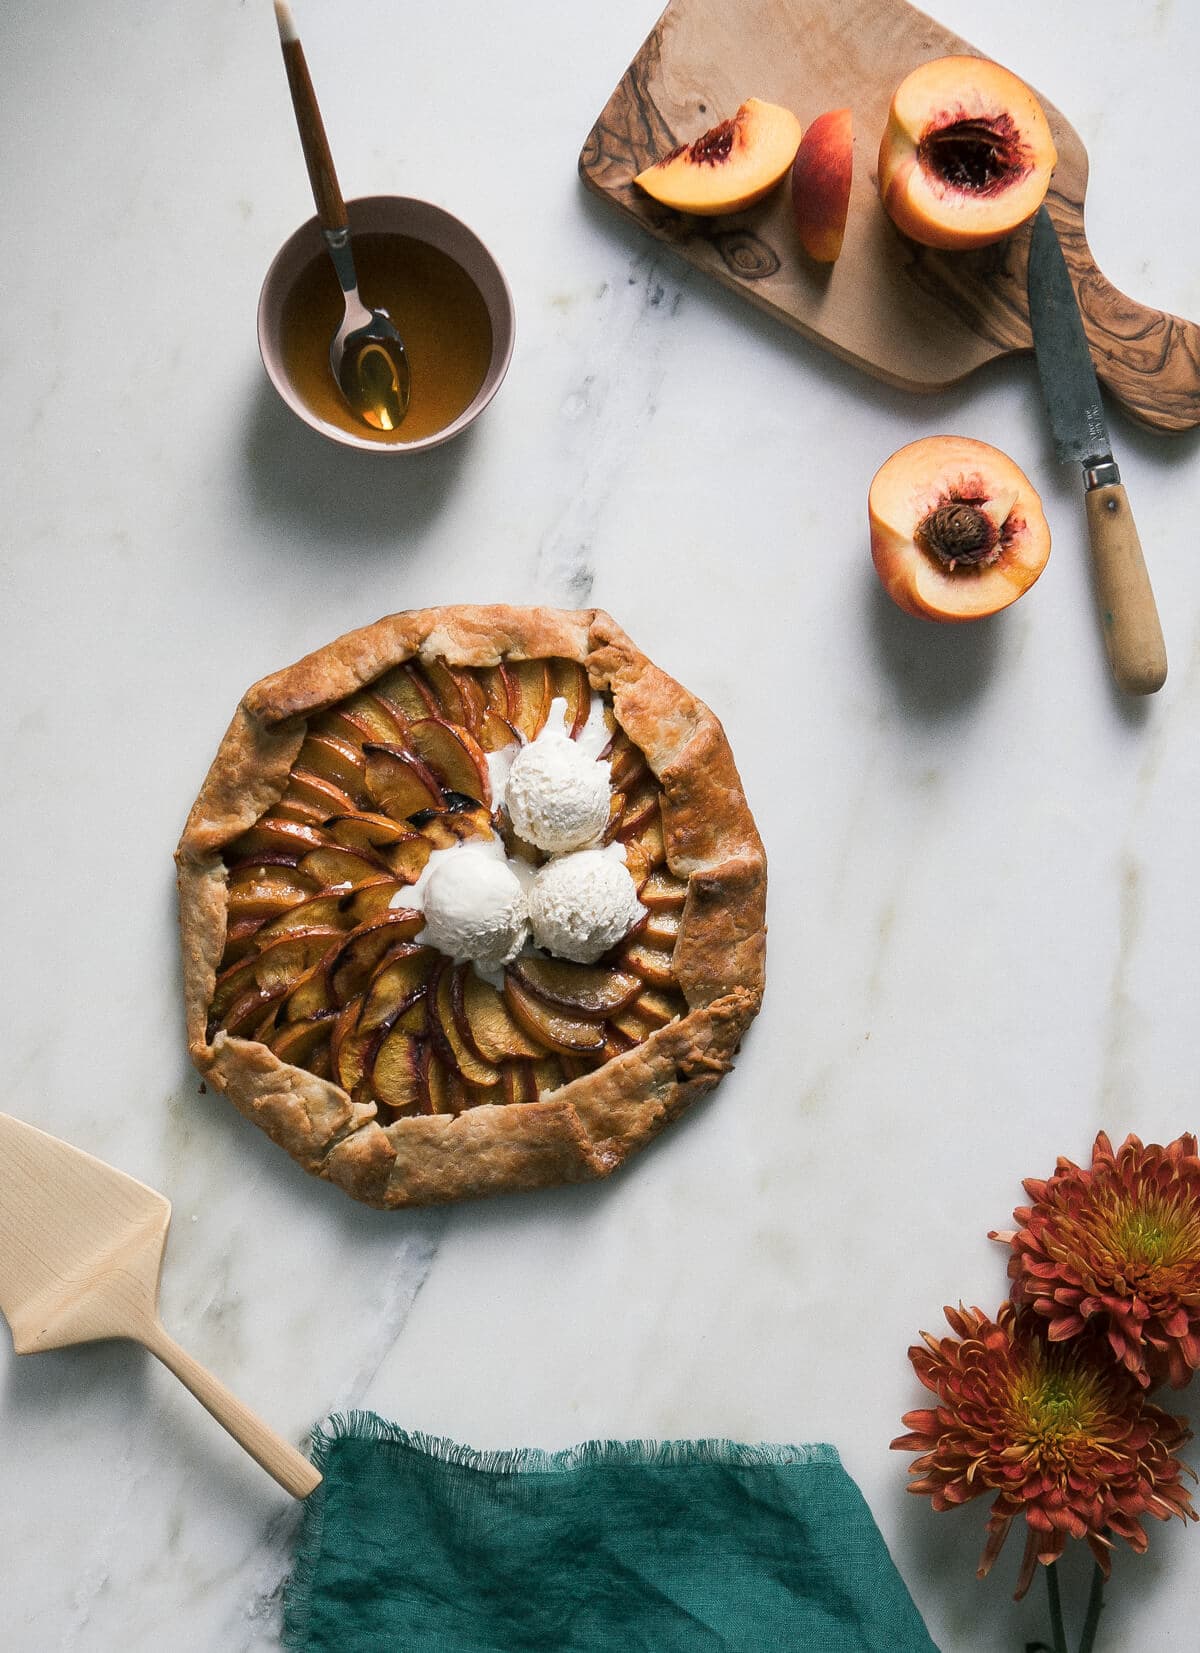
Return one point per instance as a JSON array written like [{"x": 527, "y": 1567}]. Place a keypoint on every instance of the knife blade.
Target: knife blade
[{"x": 1132, "y": 633}]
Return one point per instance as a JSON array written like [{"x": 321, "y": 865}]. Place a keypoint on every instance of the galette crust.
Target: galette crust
[{"x": 590, "y": 1125}]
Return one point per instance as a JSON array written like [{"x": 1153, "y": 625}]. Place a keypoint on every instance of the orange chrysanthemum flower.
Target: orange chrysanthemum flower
[
  {"x": 1058, "y": 1432},
  {"x": 1119, "y": 1245}
]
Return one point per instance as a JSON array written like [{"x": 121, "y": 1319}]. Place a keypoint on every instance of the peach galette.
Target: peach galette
[{"x": 471, "y": 901}]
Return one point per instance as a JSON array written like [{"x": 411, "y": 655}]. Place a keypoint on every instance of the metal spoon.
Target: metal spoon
[{"x": 366, "y": 355}]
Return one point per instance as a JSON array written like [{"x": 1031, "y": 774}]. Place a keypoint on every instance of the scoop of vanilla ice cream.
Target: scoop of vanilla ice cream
[
  {"x": 475, "y": 907},
  {"x": 557, "y": 796},
  {"x": 581, "y": 905}
]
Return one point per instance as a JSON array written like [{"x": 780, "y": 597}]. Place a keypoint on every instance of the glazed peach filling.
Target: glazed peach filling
[
  {"x": 976, "y": 157},
  {"x": 322, "y": 961}
]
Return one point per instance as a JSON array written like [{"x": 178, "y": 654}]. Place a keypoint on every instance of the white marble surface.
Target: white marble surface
[{"x": 983, "y": 900}]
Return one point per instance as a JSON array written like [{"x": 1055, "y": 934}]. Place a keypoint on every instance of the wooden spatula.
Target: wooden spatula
[{"x": 81, "y": 1248}]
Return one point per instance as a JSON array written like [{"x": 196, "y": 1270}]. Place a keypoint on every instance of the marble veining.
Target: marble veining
[{"x": 603, "y": 417}]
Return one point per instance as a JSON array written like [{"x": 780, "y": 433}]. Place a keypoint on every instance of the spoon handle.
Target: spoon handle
[
  {"x": 331, "y": 209},
  {"x": 293, "y": 1471}
]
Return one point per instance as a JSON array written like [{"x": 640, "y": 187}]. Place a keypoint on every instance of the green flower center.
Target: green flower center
[
  {"x": 1153, "y": 1235},
  {"x": 1057, "y": 1404}
]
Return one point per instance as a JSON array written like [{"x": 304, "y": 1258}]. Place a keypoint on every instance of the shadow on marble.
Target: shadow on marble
[
  {"x": 113, "y": 1394},
  {"x": 209, "y": 1112},
  {"x": 64, "y": 1380},
  {"x": 937, "y": 671},
  {"x": 341, "y": 497},
  {"x": 947, "y": 409},
  {"x": 363, "y": 1226}
]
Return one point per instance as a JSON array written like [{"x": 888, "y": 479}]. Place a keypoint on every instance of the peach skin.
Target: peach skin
[{"x": 821, "y": 175}]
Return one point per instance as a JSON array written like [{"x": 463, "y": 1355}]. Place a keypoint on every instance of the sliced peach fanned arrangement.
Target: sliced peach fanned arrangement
[
  {"x": 966, "y": 156},
  {"x": 957, "y": 529},
  {"x": 321, "y": 961},
  {"x": 821, "y": 176},
  {"x": 729, "y": 167}
]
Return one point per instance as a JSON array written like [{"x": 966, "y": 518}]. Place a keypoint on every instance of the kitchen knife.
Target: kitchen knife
[{"x": 1132, "y": 633}]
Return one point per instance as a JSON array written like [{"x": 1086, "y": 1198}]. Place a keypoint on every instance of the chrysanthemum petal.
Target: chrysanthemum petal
[
  {"x": 1117, "y": 1243},
  {"x": 1056, "y": 1430}
]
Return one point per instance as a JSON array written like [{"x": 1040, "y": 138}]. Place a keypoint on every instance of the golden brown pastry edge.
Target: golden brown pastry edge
[{"x": 590, "y": 1125}]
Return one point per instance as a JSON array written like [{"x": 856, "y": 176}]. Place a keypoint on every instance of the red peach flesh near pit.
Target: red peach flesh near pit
[
  {"x": 966, "y": 155},
  {"x": 957, "y": 529},
  {"x": 731, "y": 166}
]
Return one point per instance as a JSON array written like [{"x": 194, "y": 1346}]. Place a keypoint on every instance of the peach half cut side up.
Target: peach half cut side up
[
  {"x": 966, "y": 155},
  {"x": 821, "y": 176},
  {"x": 731, "y": 166},
  {"x": 957, "y": 529}
]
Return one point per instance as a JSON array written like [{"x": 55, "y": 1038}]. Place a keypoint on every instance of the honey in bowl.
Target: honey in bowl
[{"x": 437, "y": 309}]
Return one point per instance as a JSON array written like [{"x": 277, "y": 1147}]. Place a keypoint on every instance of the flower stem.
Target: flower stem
[
  {"x": 1095, "y": 1606},
  {"x": 1057, "y": 1628}
]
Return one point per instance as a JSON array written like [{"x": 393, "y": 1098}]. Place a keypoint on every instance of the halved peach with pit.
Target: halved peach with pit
[
  {"x": 821, "y": 177},
  {"x": 957, "y": 529},
  {"x": 966, "y": 155},
  {"x": 730, "y": 166}
]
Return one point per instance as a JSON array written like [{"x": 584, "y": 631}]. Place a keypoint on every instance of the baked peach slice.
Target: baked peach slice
[
  {"x": 553, "y": 1026},
  {"x": 569, "y": 682},
  {"x": 401, "y": 783},
  {"x": 966, "y": 155},
  {"x": 453, "y": 757},
  {"x": 957, "y": 529},
  {"x": 729, "y": 167},
  {"x": 821, "y": 177},
  {"x": 585, "y": 990},
  {"x": 485, "y": 1021}
]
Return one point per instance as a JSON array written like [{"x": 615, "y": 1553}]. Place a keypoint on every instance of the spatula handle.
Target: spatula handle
[
  {"x": 1132, "y": 632},
  {"x": 293, "y": 1471}
]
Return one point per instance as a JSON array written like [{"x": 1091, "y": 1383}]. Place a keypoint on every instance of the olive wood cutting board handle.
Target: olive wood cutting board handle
[{"x": 916, "y": 318}]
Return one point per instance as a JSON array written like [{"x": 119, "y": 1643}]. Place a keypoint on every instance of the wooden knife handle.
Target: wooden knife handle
[
  {"x": 327, "y": 193},
  {"x": 280, "y": 1459},
  {"x": 1132, "y": 633}
]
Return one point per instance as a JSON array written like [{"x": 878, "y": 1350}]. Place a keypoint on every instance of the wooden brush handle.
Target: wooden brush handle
[
  {"x": 1132, "y": 633},
  {"x": 327, "y": 193},
  {"x": 293, "y": 1471}
]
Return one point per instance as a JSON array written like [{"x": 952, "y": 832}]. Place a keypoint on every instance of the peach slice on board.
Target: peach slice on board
[
  {"x": 731, "y": 166},
  {"x": 957, "y": 529},
  {"x": 966, "y": 155},
  {"x": 821, "y": 176}
]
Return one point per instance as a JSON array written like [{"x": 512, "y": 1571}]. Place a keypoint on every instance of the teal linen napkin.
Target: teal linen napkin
[{"x": 416, "y": 1545}]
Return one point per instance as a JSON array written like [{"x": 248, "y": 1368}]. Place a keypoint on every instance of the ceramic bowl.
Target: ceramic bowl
[{"x": 388, "y": 215}]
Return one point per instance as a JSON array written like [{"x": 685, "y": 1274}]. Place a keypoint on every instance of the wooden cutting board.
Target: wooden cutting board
[{"x": 913, "y": 317}]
